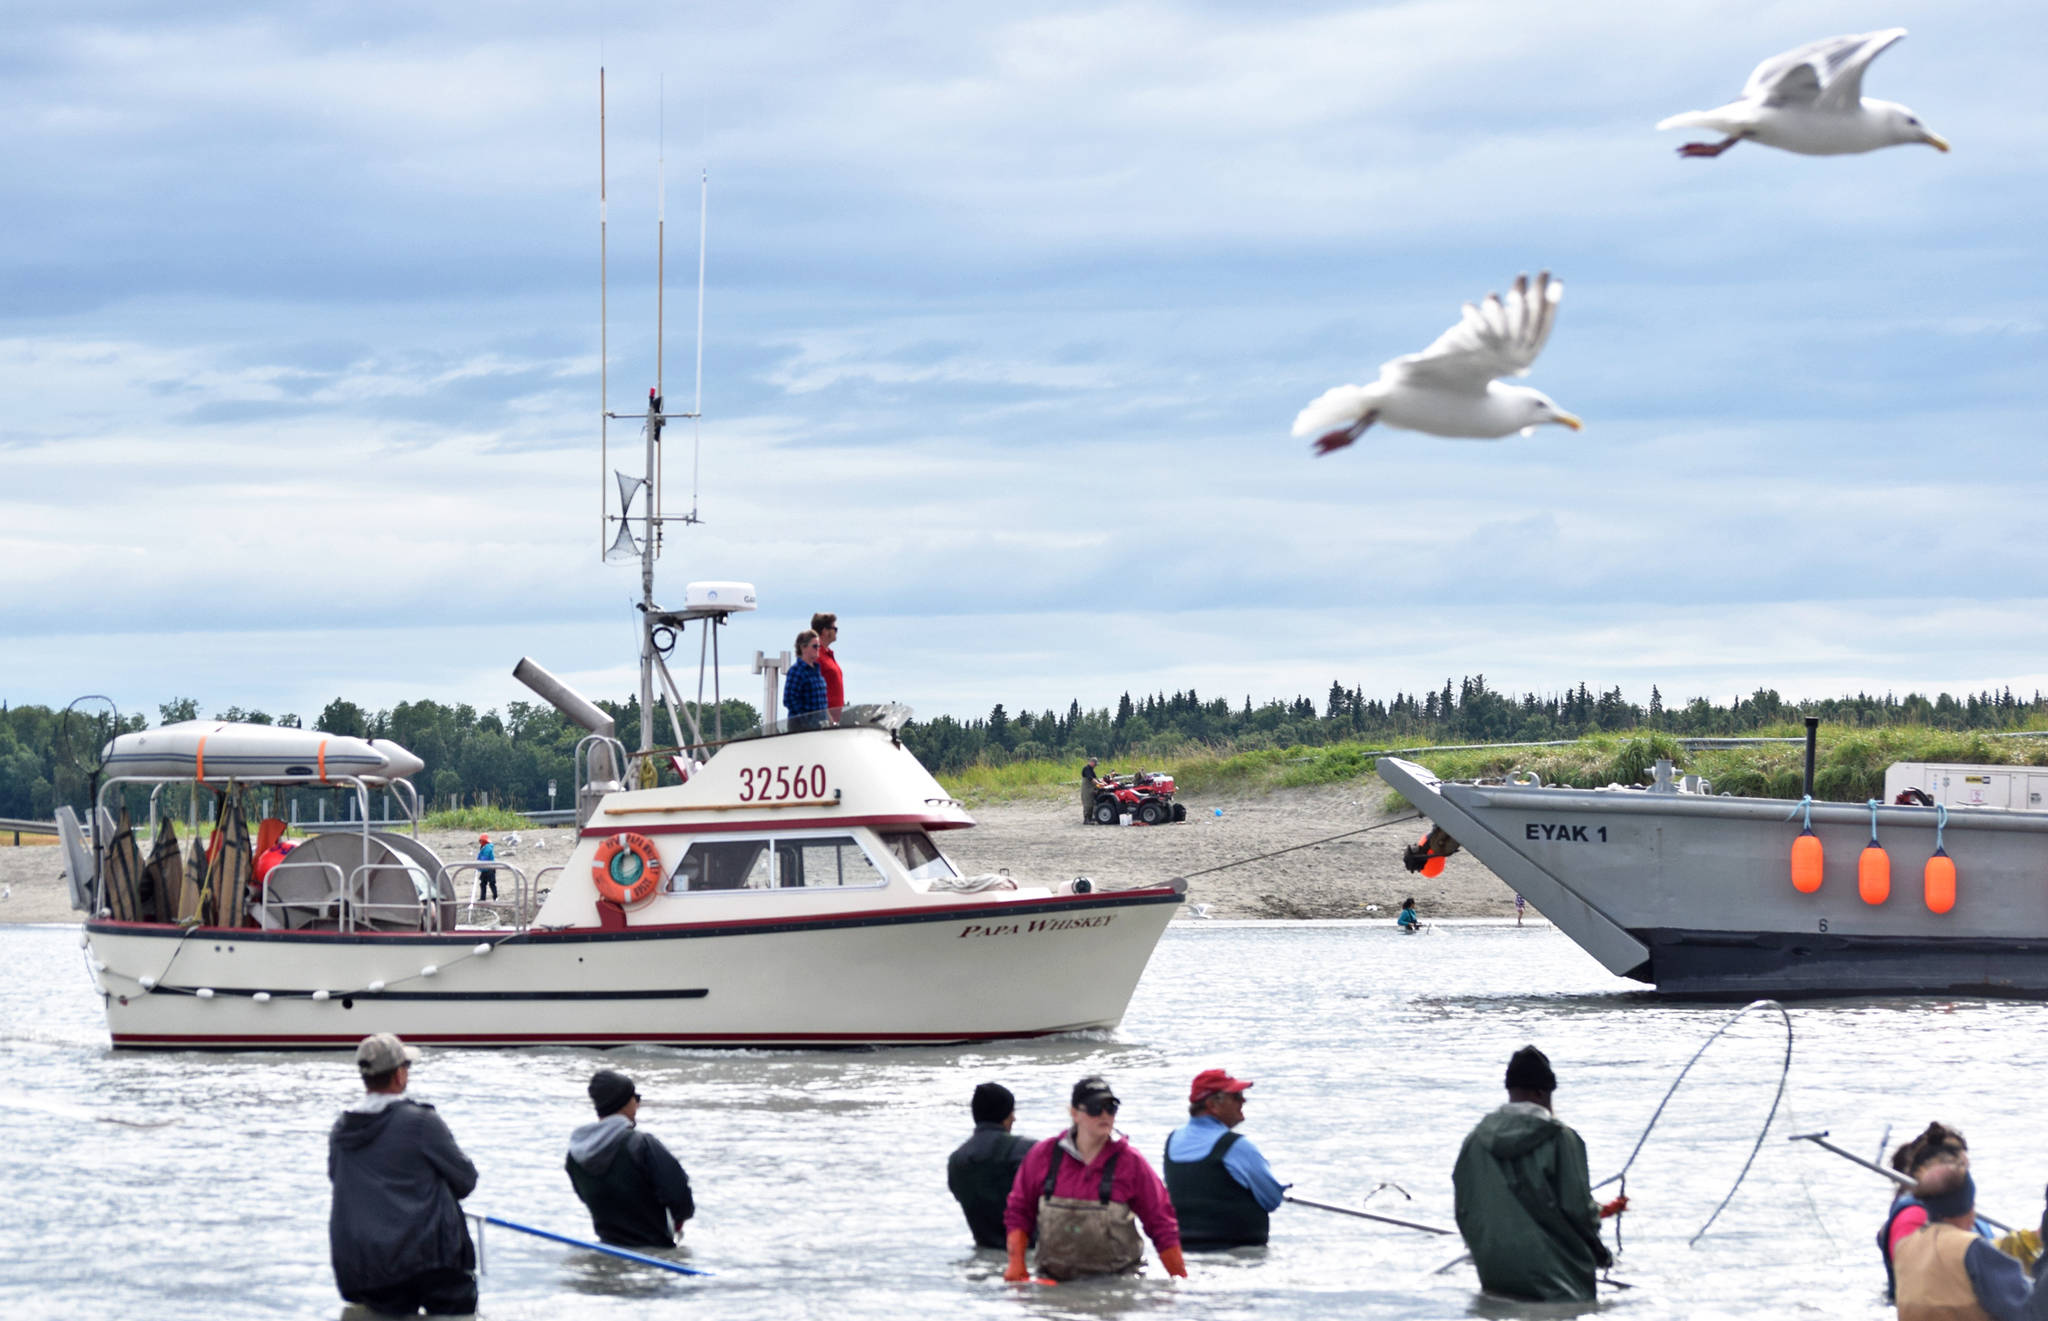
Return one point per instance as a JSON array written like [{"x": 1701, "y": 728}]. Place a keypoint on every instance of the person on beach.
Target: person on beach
[
  {"x": 1524, "y": 1198},
  {"x": 982, "y": 1170},
  {"x": 826, "y": 626},
  {"x": 637, "y": 1193},
  {"x": 1090, "y": 785},
  {"x": 1945, "y": 1269},
  {"x": 1406, "y": 918},
  {"x": 1936, "y": 1146},
  {"x": 486, "y": 878},
  {"x": 1084, "y": 1193},
  {"x": 1223, "y": 1191},
  {"x": 1520, "y": 904},
  {"x": 396, "y": 1234},
  {"x": 803, "y": 688}
]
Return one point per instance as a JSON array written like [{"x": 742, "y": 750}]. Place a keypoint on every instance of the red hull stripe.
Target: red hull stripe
[
  {"x": 737, "y": 926},
  {"x": 294, "y": 1041},
  {"x": 779, "y": 823}
]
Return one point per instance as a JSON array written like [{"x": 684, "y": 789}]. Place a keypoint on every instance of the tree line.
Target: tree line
[{"x": 509, "y": 757}]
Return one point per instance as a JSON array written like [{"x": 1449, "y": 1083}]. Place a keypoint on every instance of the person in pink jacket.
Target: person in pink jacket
[{"x": 1085, "y": 1193}]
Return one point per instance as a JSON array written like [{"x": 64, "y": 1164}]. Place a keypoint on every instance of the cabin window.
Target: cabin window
[
  {"x": 832, "y": 862},
  {"x": 723, "y": 864},
  {"x": 919, "y": 856}
]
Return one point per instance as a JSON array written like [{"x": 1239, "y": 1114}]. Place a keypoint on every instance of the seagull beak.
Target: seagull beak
[
  {"x": 1565, "y": 419},
  {"x": 1936, "y": 141}
]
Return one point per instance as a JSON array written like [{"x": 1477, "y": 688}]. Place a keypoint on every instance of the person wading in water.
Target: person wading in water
[{"x": 1085, "y": 1193}]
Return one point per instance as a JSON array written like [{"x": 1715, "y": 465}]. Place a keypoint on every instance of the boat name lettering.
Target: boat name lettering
[
  {"x": 1037, "y": 924},
  {"x": 1537, "y": 830},
  {"x": 774, "y": 784}
]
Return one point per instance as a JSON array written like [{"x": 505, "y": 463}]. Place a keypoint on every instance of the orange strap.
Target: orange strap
[
  {"x": 323, "y": 761},
  {"x": 200, "y": 772}
]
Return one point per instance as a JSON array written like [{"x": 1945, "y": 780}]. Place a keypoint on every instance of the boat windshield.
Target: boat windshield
[
  {"x": 877, "y": 715},
  {"x": 919, "y": 856}
]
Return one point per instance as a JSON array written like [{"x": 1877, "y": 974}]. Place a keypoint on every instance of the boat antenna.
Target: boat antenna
[
  {"x": 604, "y": 361},
  {"x": 697, "y": 405},
  {"x": 660, "y": 287}
]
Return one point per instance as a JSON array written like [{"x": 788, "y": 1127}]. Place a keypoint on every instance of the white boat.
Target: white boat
[{"x": 794, "y": 895}]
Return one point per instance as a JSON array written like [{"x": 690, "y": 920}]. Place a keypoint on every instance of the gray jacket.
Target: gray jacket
[{"x": 397, "y": 1177}]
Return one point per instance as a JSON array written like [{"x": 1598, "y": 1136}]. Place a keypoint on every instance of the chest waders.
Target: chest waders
[
  {"x": 1214, "y": 1209},
  {"x": 1078, "y": 1236}
]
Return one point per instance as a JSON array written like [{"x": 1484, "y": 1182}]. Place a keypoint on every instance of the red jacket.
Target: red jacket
[
  {"x": 1136, "y": 1185},
  {"x": 835, "y": 682}
]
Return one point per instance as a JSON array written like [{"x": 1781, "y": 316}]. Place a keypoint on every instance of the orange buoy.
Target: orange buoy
[
  {"x": 1939, "y": 881},
  {"x": 1874, "y": 874},
  {"x": 1806, "y": 862},
  {"x": 1434, "y": 866}
]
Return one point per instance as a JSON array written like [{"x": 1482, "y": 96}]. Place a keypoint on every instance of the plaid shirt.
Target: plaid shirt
[{"x": 803, "y": 689}]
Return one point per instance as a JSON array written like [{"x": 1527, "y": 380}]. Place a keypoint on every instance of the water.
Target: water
[{"x": 820, "y": 1177}]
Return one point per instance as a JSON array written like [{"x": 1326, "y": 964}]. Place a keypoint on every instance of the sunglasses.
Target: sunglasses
[{"x": 1103, "y": 1106}]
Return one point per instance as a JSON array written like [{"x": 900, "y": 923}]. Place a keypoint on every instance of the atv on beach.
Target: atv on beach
[{"x": 1146, "y": 796}]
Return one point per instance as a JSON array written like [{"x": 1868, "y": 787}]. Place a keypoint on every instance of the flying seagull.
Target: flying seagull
[
  {"x": 1811, "y": 101},
  {"x": 1449, "y": 389}
]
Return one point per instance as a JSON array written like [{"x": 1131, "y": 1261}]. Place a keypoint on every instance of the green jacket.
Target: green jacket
[{"x": 1526, "y": 1208}]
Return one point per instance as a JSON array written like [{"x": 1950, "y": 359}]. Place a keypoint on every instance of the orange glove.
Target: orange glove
[
  {"x": 1175, "y": 1263},
  {"x": 1017, "y": 1241},
  {"x": 1615, "y": 1207}
]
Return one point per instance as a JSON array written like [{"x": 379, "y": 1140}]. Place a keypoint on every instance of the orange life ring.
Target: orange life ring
[{"x": 628, "y": 869}]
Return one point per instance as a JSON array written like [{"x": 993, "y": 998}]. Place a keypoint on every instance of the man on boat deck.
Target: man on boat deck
[
  {"x": 1946, "y": 1270},
  {"x": 637, "y": 1192},
  {"x": 1084, "y": 1193},
  {"x": 1524, "y": 1199},
  {"x": 803, "y": 688},
  {"x": 396, "y": 1234},
  {"x": 982, "y": 1170},
  {"x": 1223, "y": 1191},
  {"x": 826, "y": 626}
]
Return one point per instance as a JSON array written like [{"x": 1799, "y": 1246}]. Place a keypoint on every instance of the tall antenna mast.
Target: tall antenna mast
[
  {"x": 697, "y": 404},
  {"x": 604, "y": 359}
]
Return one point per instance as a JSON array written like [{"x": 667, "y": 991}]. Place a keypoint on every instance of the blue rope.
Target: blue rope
[
  {"x": 1803, "y": 805},
  {"x": 1940, "y": 823},
  {"x": 1873, "y": 821}
]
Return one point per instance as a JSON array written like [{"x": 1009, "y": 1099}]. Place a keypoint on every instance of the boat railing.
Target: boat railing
[
  {"x": 274, "y": 914},
  {"x": 591, "y": 784},
  {"x": 522, "y": 902}
]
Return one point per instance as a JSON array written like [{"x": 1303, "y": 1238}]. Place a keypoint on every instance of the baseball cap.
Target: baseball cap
[
  {"x": 1092, "y": 1088},
  {"x": 1211, "y": 1081},
  {"x": 382, "y": 1052}
]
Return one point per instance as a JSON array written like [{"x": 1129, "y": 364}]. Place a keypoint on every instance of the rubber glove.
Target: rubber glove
[
  {"x": 2022, "y": 1245},
  {"x": 1615, "y": 1207},
  {"x": 1017, "y": 1241},
  {"x": 1175, "y": 1263}
]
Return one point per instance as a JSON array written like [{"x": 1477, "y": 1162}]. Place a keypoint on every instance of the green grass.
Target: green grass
[
  {"x": 1849, "y": 765},
  {"x": 476, "y": 818}
]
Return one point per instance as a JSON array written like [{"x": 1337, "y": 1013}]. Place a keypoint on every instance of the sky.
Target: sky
[{"x": 1008, "y": 312}]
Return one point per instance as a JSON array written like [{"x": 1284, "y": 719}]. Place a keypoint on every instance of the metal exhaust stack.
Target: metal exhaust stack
[{"x": 582, "y": 712}]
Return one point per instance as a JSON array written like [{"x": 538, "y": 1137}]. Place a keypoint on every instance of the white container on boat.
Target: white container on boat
[{"x": 202, "y": 749}]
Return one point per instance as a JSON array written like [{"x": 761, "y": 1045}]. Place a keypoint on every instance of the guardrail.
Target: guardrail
[{"x": 22, "y": 827}]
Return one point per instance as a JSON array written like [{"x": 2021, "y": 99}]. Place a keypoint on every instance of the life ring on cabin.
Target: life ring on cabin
[{"x": 627, "y": 868}]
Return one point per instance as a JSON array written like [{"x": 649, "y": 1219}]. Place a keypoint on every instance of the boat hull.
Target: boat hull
[
  {"x": 1693, "y": 894},
  {"x": 930, "y": 973}
]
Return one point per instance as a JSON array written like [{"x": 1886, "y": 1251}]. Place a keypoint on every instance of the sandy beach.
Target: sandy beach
[{"x": 1045, "y": 842}]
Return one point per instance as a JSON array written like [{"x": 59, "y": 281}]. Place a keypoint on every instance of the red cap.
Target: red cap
[{"x": 1211, "y": 1081}]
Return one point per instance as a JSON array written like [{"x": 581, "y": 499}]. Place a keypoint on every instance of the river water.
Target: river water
[{"x": 820, "y": 1177}]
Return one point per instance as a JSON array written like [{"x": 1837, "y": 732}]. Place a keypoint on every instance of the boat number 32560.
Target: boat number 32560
[
  {"x": 772, "y": 784},
  {"x": 1539, "y": 831}
]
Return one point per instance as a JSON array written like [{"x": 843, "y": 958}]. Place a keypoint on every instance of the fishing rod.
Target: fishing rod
[
  {"x": 1905, "y": 1181},
  {"x": 1368, "y": 1215},
  {"x": 610, "y": 1251}
]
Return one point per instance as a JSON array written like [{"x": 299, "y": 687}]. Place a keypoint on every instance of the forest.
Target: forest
[{"x": 507, "y": 758}]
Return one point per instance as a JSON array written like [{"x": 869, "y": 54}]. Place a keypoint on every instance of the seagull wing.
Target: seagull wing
[
  {"x": 1499, "y": 337},
  {"x": 1828, "y": 72},
  {"x": 1844, "y": 74}
]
